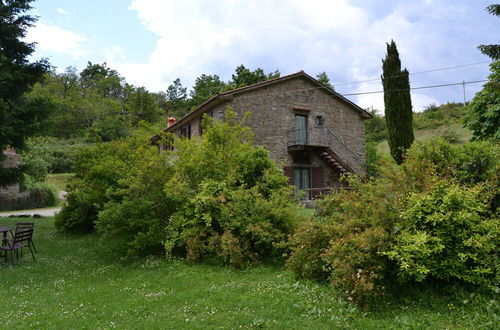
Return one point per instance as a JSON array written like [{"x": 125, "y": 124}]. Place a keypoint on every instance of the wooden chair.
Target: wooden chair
[
  {"x": 20, "y": 226},
  {"x": 21, "y": 239}
]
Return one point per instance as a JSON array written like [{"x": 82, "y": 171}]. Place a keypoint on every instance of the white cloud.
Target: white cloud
[
  {"x": 56, "y": 39},
  {"x": 116, "y": 53},
  {"x": 62, "y": 11},
  {"x": 200, "y": 37},
  {"x": 335, "y": 36}
]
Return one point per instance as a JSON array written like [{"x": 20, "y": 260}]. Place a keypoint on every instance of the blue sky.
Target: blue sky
[{"x": 153, "y": 42}]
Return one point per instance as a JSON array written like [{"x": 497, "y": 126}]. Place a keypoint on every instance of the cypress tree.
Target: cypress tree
[{"x": 397, "y": 100}]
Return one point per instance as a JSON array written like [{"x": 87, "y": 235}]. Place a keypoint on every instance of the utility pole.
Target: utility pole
[{"x": 463, "y": 87}]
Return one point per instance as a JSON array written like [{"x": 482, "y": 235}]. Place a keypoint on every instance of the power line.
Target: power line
[
  {"x": 412, "y": 73},
  {"x": 414, "y": 88},
  {"x": 368, "y": 92},
  {"x": 463, "y": 83}
]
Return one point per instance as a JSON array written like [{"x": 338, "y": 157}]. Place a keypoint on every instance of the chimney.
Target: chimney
[{"x": 170, "y": 121}]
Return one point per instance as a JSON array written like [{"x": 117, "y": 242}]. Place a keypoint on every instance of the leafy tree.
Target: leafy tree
[
  {"x": 208, "y": 86},
  {"x": 70, "y": 116},
  {"x": 141, "y": 105},
  {"x": 19, "y": 116},
  {"x": 205, "y": 87},
  {"x": 107, "y": 82},
  {"x": 483, "y": 112},
  {"x": 398, "y": 108},
  {"x": 376, "y": 127},
  {"x": 323, "y": 78},
  {"x": 244, "y": 77},
  {"x": 214, "y": 196},
  {"x": 492, "y": 51},
  {"x": 176, "y": 97}
]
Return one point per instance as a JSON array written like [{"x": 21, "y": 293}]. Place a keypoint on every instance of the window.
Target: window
[
  {"x": 300, "y": 129},
  {"x": 200, "y": 129},
  {"x": 319, "y": 120},
  {"x": 186, "y": 131}
]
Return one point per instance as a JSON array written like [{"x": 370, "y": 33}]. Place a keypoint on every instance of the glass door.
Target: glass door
[
  {"x": 300, "y": 129},
  {"x": 302, "y": 179}
]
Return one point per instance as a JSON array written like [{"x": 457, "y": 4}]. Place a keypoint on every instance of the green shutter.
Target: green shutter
[{"x": 300, "y": 129}]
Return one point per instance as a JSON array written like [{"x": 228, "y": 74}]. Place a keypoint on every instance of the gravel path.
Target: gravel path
[{"x": 43, "y": 212}]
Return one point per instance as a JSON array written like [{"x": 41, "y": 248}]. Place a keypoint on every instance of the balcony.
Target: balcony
[{"x": 326, "y": 142}]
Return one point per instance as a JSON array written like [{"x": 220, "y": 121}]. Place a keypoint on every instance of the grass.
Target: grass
[
  {"x": 461, "y": 134},
  {"x": 76, "y": 283},
  {"x": 60, "y": 181}
]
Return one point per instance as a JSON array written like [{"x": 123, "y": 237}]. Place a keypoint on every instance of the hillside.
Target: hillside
[{"x": 445, "y": 120}]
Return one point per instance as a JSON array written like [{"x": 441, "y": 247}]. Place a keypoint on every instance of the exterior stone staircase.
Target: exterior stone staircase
[
  {"x": 331, "y": 159},
  {"x": 332, "y": 149}
]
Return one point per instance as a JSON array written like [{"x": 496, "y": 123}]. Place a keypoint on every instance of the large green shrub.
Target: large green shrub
[
  {"x": 344, "y": 242},
  {"x": 214, "y": 197},
  {"x": 98, "y": 170},
  {"x": 435, "y": 216},
  {"x": 447, "y": 233},
  {"x": 138, "y": 211},
  {"x": 233, "y": 202}
]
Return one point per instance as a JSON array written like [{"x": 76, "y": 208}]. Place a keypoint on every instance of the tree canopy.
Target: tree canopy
[
  {"x": 323, "y": 78},
  {"x": 19, "y": 115},
  {"x": 492, "y": 51},
  {"x": 244, "y": 77},
  {"x": 483, "y": 112}
]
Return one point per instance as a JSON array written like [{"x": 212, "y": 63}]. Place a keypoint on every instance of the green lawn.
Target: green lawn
[
  {"x": 462, "y": 135},
  {"x": 60, "y": 181},
  {"x": 76, "y": 283}
]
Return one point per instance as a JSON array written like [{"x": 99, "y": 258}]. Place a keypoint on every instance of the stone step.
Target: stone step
[{"x": 332, "y": 162}]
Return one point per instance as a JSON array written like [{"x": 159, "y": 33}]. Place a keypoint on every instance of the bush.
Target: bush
[
  {"x": 447, "y": 233},
  {"x": 376, "y": 128},
  {"x": 214, "y": 197},
  {"x": 469, "y": 163},
  {"x": 372, "y": 158},
  {"x": 36, "y": 158},
  {"x": 435, "y": 216},
  {"x": 344, "y": 242},
  {"x": 234, "y": 203},
  {"x": 435, "y": 116},
  {"x": 64, "y": 154},
  {"x": 98, "y": 170},
  {"x": 138, "y": 212}
]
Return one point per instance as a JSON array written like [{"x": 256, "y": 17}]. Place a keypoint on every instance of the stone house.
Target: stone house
[{"x": 312, "y": 131}]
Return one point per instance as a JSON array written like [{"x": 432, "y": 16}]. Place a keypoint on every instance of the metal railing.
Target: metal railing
[
  {"x": 315, "y": 193},
  {"x": 323, "y": 137}
]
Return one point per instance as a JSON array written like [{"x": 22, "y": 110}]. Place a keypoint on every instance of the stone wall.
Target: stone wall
[{"x": 273, "y": 108}]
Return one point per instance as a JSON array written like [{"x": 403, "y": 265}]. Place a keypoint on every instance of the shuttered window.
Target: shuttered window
[
  {"x": 318, "y": 180},
  {"x": 288, "y": 170},
  {"x": 300, "y": 129}
]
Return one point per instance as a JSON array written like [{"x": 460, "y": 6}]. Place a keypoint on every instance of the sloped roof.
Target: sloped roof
[{"x": 226, "y": 95}]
